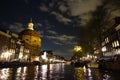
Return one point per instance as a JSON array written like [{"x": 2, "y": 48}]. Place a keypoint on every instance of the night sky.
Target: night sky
[{"x": 58, "y": 22}]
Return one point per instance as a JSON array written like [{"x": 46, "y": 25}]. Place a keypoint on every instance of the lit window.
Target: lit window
[
  {"x": 113, "y": 44},
  {"x": 106, "y": 40},
  {"x": 117, "y": 43}
]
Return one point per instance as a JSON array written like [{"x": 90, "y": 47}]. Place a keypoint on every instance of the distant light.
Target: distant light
[
  {"x": 20, "y": 56},
  {"x": 78, "y": 49},
  {"x": 5, "y": 55},
  {"x": 44, "y": 56},
  {"x": 4, "y": 73},
  {"x": 36, "y": 58},
  {"x": 104, "y": 48}
]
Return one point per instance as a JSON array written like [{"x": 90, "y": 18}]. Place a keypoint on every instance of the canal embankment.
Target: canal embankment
[
  {"x": 93, "y": 65},
  {"x": 18, "y": 64}
]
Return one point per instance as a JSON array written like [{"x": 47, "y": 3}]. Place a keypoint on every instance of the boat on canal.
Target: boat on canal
[
  {"x": 80, "y": 63},
  {"x": 110, "y": 63}
]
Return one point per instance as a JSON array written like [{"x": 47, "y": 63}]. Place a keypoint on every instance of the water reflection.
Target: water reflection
[
  {"x": 88, "y": 73},
  {"x": 56, "y": 72},
  {"x": 4, "y": 73},
  {"x": 79, "y": 73},
  {"x": 43, "y": 71},
  {"x": 52, "y": 71}
]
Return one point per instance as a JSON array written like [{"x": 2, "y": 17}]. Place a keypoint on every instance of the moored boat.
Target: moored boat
[
  {"x": 80, "y": 64},
  {"x": 112, "y": 64}
]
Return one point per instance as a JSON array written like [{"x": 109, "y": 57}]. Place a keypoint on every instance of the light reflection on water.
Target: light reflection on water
[
  {"x": 56, "y": 72},
  {"x": 4, "y": 73},
  {"x": 52, "y": 71},
  {"x": 79, "y": 73}
]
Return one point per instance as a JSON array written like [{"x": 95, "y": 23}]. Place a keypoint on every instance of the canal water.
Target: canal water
[{"x": 60, "y": 71}]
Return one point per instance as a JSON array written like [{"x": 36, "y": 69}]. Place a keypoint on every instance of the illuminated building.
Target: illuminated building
[
  {"x": 111, "y": 39},
  {"x": 32, "y": 41},
  {"x": 47, "y": 55},
  {"x": 8, "y": 46}
]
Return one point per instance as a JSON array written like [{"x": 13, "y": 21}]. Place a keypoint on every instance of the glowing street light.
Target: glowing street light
[
  {"x": 78, "y": 49},
  {"x": 77, "y": 52}
]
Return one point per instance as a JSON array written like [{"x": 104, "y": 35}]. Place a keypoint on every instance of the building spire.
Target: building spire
[
  {"x": 30, "y": 25},
  {"x": 31, "y": 20}
]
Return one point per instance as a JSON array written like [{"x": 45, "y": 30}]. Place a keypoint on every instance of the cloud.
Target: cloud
[
  {"x": 71, "y": 8},
  {"x": 62, "y": 39},
  {"x": 65, "y": 37},
  {"x": 63, "y": 8},
  {"x": 52, "y": 32},
  {"x": 60, "y": 17},
  {"x": 50, "y": 8},
  {"x": 82, "y": 8},
  {"x": 40, "y": 33},
  {"x": 57, "y": 43},
  {"x": 16, "y": 27},
  {"x": 116, "y": 13},
  {"x": 44, "y": 8},
  {"x": 38, "y": 24},
  {"x": 84, "y": 19},
  {"x": 79, "y": 7},
  {"x": 47, "y": 25}
]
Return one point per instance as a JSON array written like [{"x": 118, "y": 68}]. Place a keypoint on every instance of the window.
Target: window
[
  {"x": 106, "y": 40},
  {"x": 115, "y": 44}
]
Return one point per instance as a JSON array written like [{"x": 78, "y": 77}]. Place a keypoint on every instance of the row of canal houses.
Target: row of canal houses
[
  {"x": 11, "y": 48},
  {"x": 109, "y": 44}
]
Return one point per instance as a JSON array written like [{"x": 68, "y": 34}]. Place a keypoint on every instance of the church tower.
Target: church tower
[{"x": 32, "y": 41}]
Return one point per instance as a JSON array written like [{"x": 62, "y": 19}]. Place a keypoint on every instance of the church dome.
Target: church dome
[
  {"x": 29, "y": 32},
  {"x": 32, "y": 41}
]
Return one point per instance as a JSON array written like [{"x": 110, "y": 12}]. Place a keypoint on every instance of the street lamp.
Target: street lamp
[
  {"x": 77, "y": 49},
  {"x": 77, "y": 52}
]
